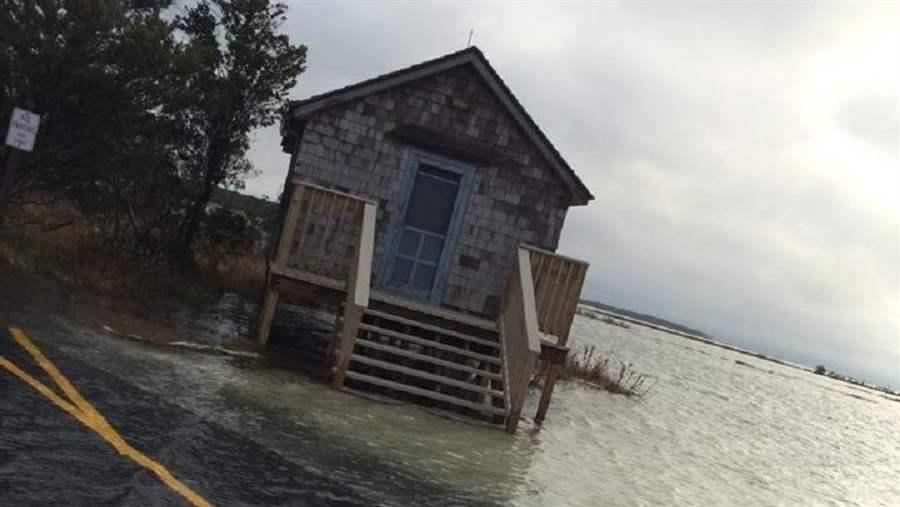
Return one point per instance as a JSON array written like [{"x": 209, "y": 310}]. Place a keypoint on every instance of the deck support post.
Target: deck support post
[
  {"x": 285, "y": 238},
  {"x": 347, "y": 339},
  {"x": 546, "y": 393},
  {"x": 333, "y": 340},
  {"x": 555, "y": 357},
  {"x": 266, "y": 314}
]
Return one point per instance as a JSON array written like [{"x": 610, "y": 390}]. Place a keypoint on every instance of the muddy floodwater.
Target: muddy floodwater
[{"x": 711, "y": 432}]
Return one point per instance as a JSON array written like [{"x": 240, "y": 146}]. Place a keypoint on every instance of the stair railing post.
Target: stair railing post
[
  {"x": 357, "y": 301},
  {"x": 521, "y": 337}
]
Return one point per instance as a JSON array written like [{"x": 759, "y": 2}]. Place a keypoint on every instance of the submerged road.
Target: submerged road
[
  {"x": 55, "y": 451},
  {"x": 237, "y": 431},
  {"x": 233, "y": 430}
]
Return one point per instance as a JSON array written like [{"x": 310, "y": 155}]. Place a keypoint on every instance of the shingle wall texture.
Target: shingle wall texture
[{"x": 349, "y": 147}]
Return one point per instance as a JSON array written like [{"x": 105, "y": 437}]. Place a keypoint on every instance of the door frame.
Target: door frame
[{"x": 410, "y": 166}]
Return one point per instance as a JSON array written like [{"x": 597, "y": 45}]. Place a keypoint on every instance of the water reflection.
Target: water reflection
[{"x": 712, "y": 432}]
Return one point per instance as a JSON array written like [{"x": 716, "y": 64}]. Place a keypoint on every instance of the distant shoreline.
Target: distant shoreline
[{"x": 734, "y": 348}]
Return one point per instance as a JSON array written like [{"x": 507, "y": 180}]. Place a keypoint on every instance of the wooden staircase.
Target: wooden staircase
[
  {"x": 421, "y": 359},
  {"x": 392, "y": 346}
]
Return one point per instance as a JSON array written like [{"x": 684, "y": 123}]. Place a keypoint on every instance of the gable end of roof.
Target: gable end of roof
[{"x": 469, "y": 56}]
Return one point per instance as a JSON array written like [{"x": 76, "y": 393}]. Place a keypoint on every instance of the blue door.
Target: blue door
[{"x": 419, "y": 254}]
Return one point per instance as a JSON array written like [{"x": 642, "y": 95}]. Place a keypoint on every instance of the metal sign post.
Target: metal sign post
[{"x": 20, "y": 136}]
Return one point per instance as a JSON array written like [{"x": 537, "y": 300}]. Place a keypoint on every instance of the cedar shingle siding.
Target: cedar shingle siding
[{"x": 359, "y": 147}]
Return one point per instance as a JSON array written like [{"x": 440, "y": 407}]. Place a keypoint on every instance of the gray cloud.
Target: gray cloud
[{"x": 744, "y": 155}]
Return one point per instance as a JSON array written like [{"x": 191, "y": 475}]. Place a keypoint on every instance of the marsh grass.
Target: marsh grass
[
  {"x": 60, "y": 245},
  {"x": 605, "y": 372}
]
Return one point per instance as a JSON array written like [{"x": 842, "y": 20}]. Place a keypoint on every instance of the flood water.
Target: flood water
[{"x": 710, "y": 432}]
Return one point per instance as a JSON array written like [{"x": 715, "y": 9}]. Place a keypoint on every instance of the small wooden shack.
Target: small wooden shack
[{"x": 424, "y": 207}]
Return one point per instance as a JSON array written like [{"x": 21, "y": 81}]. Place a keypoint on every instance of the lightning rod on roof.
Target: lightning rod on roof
[{"x": 471, "y": 32}]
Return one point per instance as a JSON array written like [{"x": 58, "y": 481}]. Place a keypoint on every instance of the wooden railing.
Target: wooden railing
[
  {"x": 330, "y": 234},
  {"x": 322, "y": 229},
  {"x": 520, "y": 339},
  {"x": 541, "y": 298},
  {"x": 558, "y": 281}
]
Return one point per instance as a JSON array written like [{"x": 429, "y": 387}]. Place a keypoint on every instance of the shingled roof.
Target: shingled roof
[{"x": 469, "y": 56}]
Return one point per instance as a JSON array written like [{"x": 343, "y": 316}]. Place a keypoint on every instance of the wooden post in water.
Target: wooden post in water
[
  {"x": 266, "y": 313},
  {"x": 555, "y": 355},
  {"x": 546, "y": 393}
]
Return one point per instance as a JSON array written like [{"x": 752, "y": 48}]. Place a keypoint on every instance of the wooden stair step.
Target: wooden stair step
[
  {"x": 383, "y": 299},
  {"x": 490, "y": 409},
  {"x": 426, "y": 358},
  {"x": 429, "y": 343},
  {"x": 430, "y": 327},
  {"x": 405, "y": 370}
]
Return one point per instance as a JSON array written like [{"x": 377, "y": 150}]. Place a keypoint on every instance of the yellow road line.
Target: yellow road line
[
  {"x": 80, "y": 409},
  {"x": 43, "y": 389},
  {"x": 63, "y": 383}
]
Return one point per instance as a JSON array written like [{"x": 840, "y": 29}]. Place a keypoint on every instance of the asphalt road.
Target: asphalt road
[{"x": 48, "y": 457}]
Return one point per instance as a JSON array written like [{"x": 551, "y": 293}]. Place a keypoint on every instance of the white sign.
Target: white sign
[{"x": 23, "y": 127}]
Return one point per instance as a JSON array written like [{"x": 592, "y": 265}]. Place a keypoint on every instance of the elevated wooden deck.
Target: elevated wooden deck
[
  {"x": 319, "y": 285},
  {"x": 392, "y": 346}
]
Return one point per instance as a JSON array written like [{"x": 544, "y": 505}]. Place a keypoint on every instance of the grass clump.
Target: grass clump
[{"x": 605, "y": 372}]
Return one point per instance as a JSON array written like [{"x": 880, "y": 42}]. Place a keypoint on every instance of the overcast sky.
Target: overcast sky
[{"x": 744, "y": 157}]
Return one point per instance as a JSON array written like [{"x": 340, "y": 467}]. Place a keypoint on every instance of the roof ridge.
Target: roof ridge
[{"x": 312, "y": 98}]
